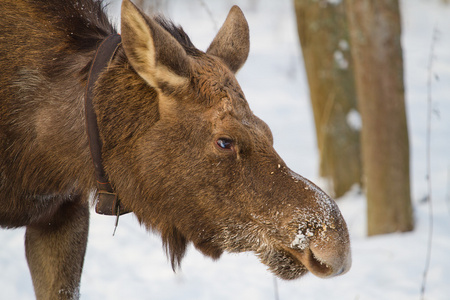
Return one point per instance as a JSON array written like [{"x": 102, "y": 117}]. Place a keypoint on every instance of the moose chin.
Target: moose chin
[{"x": 157, "y": 128}]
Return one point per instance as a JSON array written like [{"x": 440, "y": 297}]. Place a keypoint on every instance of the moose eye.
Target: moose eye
[{"x": 225, "y": 143}]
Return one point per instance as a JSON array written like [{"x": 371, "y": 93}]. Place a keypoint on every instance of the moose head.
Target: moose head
[{"x": 193, "y": 162}]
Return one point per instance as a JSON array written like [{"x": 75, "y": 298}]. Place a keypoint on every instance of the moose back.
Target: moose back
[{"x": 178, "y": 145}]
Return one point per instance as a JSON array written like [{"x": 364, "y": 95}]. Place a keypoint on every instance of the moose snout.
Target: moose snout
[
  {"x": 333, "y": 250},
  {"x": 308, "y": 234},
  {"x": 325, "y": 256},
  {"x": 320, "y": 241}
]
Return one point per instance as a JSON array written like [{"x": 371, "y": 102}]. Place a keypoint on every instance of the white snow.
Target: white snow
[
  {"x": 335, "y": 2},
  {"x": 340, "y": 60},
  {"x": 132, "y": 264},
  {"x": 354, "y": 120},
  {"x": 343, "y": 45},
  {"x": 300, "y": 242}
]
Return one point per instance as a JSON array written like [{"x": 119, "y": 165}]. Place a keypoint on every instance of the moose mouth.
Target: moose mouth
[
  {"x": 309, "y": 261},
  {"x": 289, "y": 264}
]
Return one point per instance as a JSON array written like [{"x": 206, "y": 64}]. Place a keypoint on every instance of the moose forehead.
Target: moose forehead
[{"x": 215, "y": 86}]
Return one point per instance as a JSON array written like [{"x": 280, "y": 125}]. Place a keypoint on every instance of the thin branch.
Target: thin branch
[
  {"x": 428, "y": 161},
  {"x": 210, "y": 14},
  {"x": 275, "y": 288},
  {"x": 447, "y": 197}
]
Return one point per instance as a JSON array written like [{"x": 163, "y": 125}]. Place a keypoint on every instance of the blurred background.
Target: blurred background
[{"x": 357, "y": 96}]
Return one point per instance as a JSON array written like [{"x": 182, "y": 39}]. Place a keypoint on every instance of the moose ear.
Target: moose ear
[
  {"x": 232, "y": 42},
  {"x": 152, "y": 51}
]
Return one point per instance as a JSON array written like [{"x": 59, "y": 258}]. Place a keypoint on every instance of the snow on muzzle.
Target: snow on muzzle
[
  {"x": 321, "y": 241},
  {"x": 301, "y": 230},
  {"x": 314, "y": 237}
]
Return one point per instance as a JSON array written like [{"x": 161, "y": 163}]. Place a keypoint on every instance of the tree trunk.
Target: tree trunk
[
  {"x": 378, "y": 64},
  {"x": 323, "y": 32},
  {"x": 152, "y": 6}
]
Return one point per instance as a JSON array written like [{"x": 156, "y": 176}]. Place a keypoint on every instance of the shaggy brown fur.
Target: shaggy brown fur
[{"x": 180, "y": 145}]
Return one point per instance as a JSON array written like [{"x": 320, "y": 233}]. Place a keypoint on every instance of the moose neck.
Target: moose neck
[
  {"x": 61, "y": 141},
  {"x": 127, "y": 109}
]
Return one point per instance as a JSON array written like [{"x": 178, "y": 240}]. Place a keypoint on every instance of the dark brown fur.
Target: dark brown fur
[{"x": 162, "y": 106}]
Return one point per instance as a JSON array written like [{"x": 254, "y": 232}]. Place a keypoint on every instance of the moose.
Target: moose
[{"x": 153, "y": 126}]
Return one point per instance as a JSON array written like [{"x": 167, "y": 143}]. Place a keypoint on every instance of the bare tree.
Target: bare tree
[
  {"x": 378, "y": 64},
  {"x": 152, "y": 6},
  {"x": 323, "y": 33}
]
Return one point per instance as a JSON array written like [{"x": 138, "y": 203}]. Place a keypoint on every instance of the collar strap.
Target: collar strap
[{"x": 108, "y": 203}]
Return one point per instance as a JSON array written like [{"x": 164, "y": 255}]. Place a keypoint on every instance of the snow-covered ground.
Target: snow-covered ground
[{"x": 132, "y": 264}]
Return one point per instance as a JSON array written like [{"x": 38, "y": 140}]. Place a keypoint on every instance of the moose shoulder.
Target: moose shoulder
[{"x": 179, "y": 145}]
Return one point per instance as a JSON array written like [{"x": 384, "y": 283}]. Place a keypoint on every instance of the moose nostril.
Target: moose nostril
[{"x": 341, "y": 271}]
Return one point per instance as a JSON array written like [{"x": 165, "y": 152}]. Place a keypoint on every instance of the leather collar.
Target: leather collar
[{"x": 107, "y": 203}]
